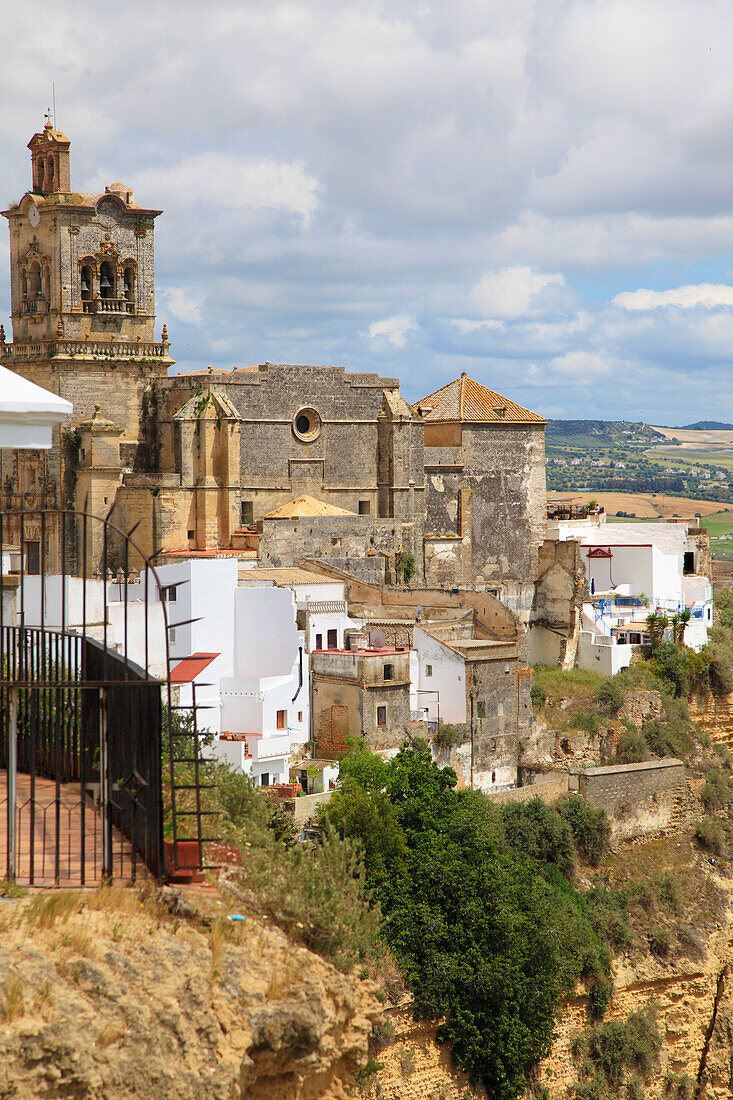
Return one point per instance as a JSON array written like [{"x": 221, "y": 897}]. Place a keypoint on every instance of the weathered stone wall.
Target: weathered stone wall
[
  {"x": 498, "y": 716},
  {"x": 347, "y": 689},
  {"x": 560, "y": 589},
  {"x": 356, "y": 418},
  {"x": 638, "y": 798},
  {"x": 345, "y": 541},
  {"x": 503, "y": 467}
]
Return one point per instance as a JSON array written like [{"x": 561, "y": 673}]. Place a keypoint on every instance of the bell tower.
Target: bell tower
[
  {"x": 83, "y": 313},
  {"x": 50, "y": 161}
]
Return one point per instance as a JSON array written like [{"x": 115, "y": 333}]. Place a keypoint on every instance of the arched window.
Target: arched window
[
  {"x": 107, "y": 280},
  {"x": 49, "y": 174},
  {"x": 130, "y": 282},
  {"x": 86, "y": 282},
  {"x": 35, "y": 281}
]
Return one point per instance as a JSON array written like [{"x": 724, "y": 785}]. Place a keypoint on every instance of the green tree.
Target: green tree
[{"x": 490, "y": 939}]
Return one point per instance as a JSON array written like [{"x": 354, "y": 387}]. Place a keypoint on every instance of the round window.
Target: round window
[{"x": 306, "y": 425}]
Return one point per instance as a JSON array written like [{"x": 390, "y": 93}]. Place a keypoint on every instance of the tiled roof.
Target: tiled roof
[{"x": 470, "y": 402}]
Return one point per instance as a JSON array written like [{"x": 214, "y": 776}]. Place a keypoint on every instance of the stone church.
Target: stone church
[{"x": 276, "y": 462}]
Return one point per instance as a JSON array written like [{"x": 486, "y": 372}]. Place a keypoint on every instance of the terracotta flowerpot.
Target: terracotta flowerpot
[{"x": 188, "y": 869}]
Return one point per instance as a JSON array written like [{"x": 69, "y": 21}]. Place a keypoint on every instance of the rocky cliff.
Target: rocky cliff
[{"x": 114, "y": 994}]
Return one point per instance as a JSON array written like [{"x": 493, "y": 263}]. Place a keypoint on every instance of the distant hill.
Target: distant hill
[
  {"x": 592, "y": 434},
  {"x": 708, "y": 426}
]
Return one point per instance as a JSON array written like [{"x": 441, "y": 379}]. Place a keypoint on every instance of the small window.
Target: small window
[
  {"x": 265, "y": 779},
  {"x": 169, "y": 593},
  {"x": 247, "y": 513},
  {"x": 481, "y": 710},
  {"x": 319, "y": 641},
  {"x": 389, "y": 672},
  {"x": 365, "y": 507},
  {"x": 33, "y": 558},
  {"x": 333, "y": 639},
  {"x": 282, "y": 719},
  {"x": 493, "y": 777},
  {"x": 381, "y": 716},
  {"x": 172, "y": 635},
  {"x": 300, "y": 715},
  {"x": 500, "y": 710},
  {"x": 428, "y": 670},
  {"x": 191, "y": 534}
]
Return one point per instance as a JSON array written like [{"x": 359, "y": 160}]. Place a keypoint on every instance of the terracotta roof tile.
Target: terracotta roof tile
[{"x": 470, "y": 402}]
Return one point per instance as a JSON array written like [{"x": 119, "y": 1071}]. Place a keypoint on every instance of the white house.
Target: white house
[
  {"x": 634, "y": 569},
  {"x": 243, "y": 643}
]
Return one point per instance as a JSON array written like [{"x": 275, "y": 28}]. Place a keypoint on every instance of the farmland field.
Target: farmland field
[{"x": 645, "y": 505}]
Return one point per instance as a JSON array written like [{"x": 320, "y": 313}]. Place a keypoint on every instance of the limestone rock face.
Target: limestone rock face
[{"x": 117, "y": 998}]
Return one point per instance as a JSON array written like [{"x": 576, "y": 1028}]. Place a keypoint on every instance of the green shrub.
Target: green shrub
[
  {"x": 585, "y": 720},
  {"x": 660, "y": 941},
  {"x": 716, "y": 794},
  {"x": 679, "y": 1086},
  {"x": 538, "y": 695},
  {"x": 710, "y": 835},
  {"x": 631, "y": 748},
  {"x": 619, "y": 1047},
  {"x": 669, "y": 736},
  {"x": 590, "y": 827},
  {"x": 608, "y": 915},
  {"x": 669, "y": 892},
  {"x": 447, "y": 736},
  {"x": 610, "y": 697},
  {"x": 537, "y": 830}
]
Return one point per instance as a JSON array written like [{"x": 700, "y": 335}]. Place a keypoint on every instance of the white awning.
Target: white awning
[{"x": 28, "y": 412}]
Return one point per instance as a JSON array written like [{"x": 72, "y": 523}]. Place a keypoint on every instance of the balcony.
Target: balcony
[
  {"x": 37, "y": 350},
  {"x": 34, "y": 306},
  {"x": 108, "y": 306}
]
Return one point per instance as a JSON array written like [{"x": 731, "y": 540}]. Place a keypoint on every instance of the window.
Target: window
[
  {"x": 191, "y": 534},
  {"x": 689, "y": 562},
  {"x": 282, "y": 719},
  {"x": 247, "y": 515},
  {"x": 300, "y": 715},
  {"x": 389, "y": 672},
  {"x": 365, "y": 507},
  {"x": 481, "y": 710},
  {"x": 428, "y": 670},
  {"x": 33, "y": 558},
  {"x": 171, "y": 635},
  {"x": 381, "y": 716},
  {"x": 306, "y": 425},
  {"x": 319, "y": 641},
  {"x": 333, "y": 639},
  {"x": 493, "y": 777},
  {"x": 169, "y": 594},
  {"x": 265, "y": 779}
]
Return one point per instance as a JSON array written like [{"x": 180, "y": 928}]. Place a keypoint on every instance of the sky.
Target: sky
[{"x": 536, "y": 192}]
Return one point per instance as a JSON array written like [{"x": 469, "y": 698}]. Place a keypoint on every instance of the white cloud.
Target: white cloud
[
  {"x": 232, "y": 183},
  {"x": 184, "y": 303},
  {"x": 709, "y": 295},
  {"x": 512, "y": 291},
  {"x": 394, "y": 329}
]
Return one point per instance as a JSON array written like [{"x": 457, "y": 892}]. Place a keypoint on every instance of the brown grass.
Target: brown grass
[{"x": 12, "y": 1004}]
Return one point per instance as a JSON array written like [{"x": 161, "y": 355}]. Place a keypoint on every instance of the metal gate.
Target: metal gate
[{"x": 81, "y": 716}]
